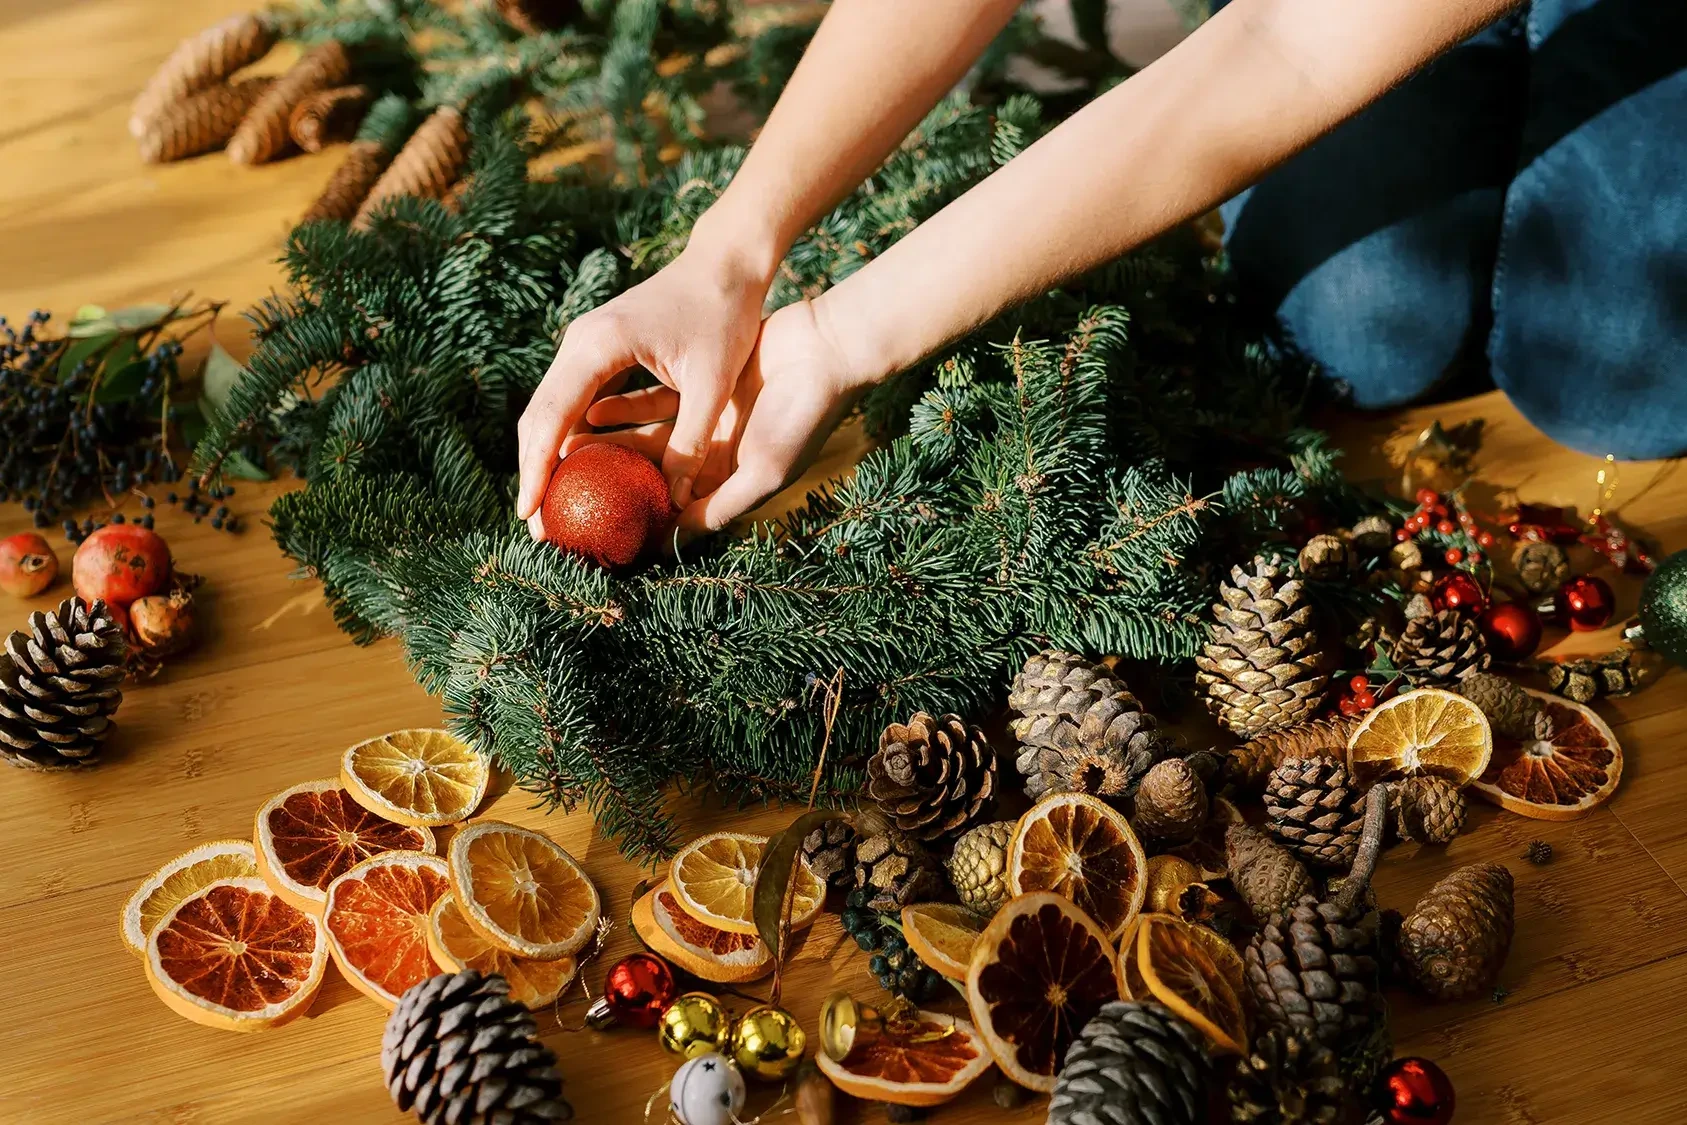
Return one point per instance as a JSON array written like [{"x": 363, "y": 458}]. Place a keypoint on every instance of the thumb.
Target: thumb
[{"x": 694, "y": 424}]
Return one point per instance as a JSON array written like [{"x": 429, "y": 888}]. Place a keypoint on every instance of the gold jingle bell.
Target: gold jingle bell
[
  {"x": 693, "y": 1025},
  {"x": 767, "y": 1043}
]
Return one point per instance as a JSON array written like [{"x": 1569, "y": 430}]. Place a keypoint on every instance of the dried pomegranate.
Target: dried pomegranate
[
  {"x": 163, "y": 624},
  {"x": 27, "y": 565},
  {"x": 120, "y": 563}
]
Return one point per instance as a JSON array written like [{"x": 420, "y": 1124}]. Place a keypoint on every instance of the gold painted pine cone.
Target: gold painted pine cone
[
  {"x": 932, "y": 776},
  {"x": 1453, "y": 945},
  {"x": 978, "y": 866},
  {"x": 1262, "y": 666}
]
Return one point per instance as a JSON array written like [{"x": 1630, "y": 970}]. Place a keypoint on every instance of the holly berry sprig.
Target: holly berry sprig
[{"x": 1446, "y": 524}]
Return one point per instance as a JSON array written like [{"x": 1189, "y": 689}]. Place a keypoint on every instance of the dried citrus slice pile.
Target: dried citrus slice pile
[
  {"x": 1041, "y": 970},
  {"x": 313, "y": 833},
  {"x": 521, "y": 890},
  {"x": 925, "y": 1062},
  {"x": 714, "y": 878},
  {"x": 697, "y": 947},
  {"x": 235, "y": 955},
  {"x": 423, "y": 777},
  {"x": 1571, "y": 767},
  {"x": 1192, "y": 971},
  {"x": 942, "y": 935},
  {"x": 187, "y": 874},
  {"x": 455, "y": 945},
  {"x": 1427, "y": 731},
  {"x": 376, "y": 919},
  {"x": 1082, "y": 850}
]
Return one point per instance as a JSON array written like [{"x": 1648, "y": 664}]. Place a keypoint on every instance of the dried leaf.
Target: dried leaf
[{"x": 778, "y": 864}]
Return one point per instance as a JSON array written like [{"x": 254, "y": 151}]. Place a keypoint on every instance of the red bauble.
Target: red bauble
[
  {"x": 608, "y": 503},
  {"x": 1459, "y": 591},
  {"x": 119, "y": 563},
  {"x": 1414, "y": 1092},
  {"x": 1512, "y": 631},
  {"x": 27, "y": 565},
  {"x": 1585, "y": 604},
  {"x": 638, "y": 990}
]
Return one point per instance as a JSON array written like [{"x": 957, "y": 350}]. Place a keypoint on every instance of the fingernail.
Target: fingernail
[{"x": 682, "y": 492}]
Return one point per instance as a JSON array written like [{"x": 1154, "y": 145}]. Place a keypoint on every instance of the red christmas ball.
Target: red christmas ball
[
  {"x": 608, "y": 503},
  {"x": 1414, "y": 1091},
  {"x": 1512, "y": 631},
  {"x": 1585, "y": 603},
  {"x": 1459, "y": 591},
  {"x": 639, "y": 989}
]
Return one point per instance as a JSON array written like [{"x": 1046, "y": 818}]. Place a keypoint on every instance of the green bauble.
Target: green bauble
[{"x": 1663, "y": 609}]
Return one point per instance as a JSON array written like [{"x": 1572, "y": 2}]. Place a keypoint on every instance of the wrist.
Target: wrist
[
  {"x": 745, "y": 250},
  {"x": 865, "y": 354}
]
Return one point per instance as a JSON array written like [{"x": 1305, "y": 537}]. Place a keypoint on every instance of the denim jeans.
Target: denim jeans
[{"x": 1519, "y": 206}]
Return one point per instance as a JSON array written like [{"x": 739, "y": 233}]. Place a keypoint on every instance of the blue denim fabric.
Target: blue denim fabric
[{"x": 1520, "y": 205}]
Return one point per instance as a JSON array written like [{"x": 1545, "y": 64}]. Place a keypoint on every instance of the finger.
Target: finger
[
  {"x": 536, "y": 526},
  {"x": 694, "y": 424},
  {"x": 741, "y": 492},
  {"x": 649, "y": 440},
  {"x": 648, "y": 404},
  {"x": 586, "y": 359}
]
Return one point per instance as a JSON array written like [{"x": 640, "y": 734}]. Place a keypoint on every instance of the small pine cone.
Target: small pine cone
[
  {"x": 1406, "y": 556},
  {"x": 978, "y": 866},
  {"x": 1171, "y": 802},
  {"x": 1454, "y": 943},
  {"x": 201, "y": 121},
  {"x": 1541, "y": 567},
  {"x": 1132, "y": 1063},
  {"x": 1316, "y": 810},
  {"x": 1372, "y": 536},
  {"x": 263, "y": 135},
  {"x": 898, "y": 870},
  {"x": 1589, "y": 679},
  {"x": 830, "y": 852},
  {"x": 1314, "y": 968},
  {"x": 532, "y": 17},
  {"x": 59, "y": 684},
  {"x": 1252, "y": 762},
  {"x": 1262, "y": 667},
  {"x": 1510, "y": 709},
  {"x": 1539, "y": 853},
  {"x": 201, "y": 61},
  {"x": 1265, "y": 874},
  {"x": 1327, "y": 558},
  {"x": 349, "y": 186},
  {"x": 426, "y": 166},
  {"x": 327, "y": 116},
  {"x": 1429, "y": 809},
  {"x": 932, "y": 776},
  {"x": 1288, "y": 1078},
  {"x": 1442, "y": 646}
]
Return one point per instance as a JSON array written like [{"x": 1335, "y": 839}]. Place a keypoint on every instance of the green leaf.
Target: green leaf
[
  {"x": 191, "y": 419},
  {"x": 778, "y": 863},
  {"x": 237, "y": 464},
  {"x": 87, "y": 313},
  {"x": 82, "y": 349},
  {"x": 222, "y": 371},
  {"x": 120, "y": 384},
  {"x": 132, "y": 319}
]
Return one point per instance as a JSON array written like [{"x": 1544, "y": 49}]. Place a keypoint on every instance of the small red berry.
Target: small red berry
[
  {"x": 1401, "y": 535},
  {"x": 1486, "y": 539},
  {"x": 1365, "y": 700},
  {"x": 1349, "y": 705},
  {"x": 1360, "y": 683},
  {"x": 1474, "y": 556},
  {"x": 1446, "y": 527},
  {"x": 1427, "y": 496},
  {"x": 1454, "y": 556},
  {"x": 1439, "y": 509}
]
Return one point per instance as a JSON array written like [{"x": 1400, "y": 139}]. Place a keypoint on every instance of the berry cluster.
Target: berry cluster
[
  {"x": 1359, "y": 697},
  {"x": 1451, "y": 523},
  {"x": 899, "y": 970}
]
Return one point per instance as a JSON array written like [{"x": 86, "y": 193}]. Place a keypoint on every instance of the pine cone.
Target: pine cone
[
  {"x": 1509, "y": 708},
  {"x": 1442, "y": 646},
  {"x": 1372, "y": 536},
  {"x": 1454, "y": 943},
  {"x": 1429, "y": 809},
  {"x": 59, "y": 684},
  {"x": 201, "y": 61},
  {"x": 1081, "y": 730},
  {"x": 932, "y": 777},
  {"x": 1326, "y": 558},
  {"x": 200, "y": 122},
  {"x": 897, "y": 868},
  {"x": 381, "y": 134},
  {"x": 1541, "y": 567},
  {"x": 1251, "y": 763},
  {"x": 327, "y": 116},
  {"x": 830, "y": 852},
  {"x": 1171, "y": 802},
  {"x": 1265, "y": 874},
  {"x": 1316, "y": 810},
  {"x": 263, "y": 135},
  {"x": 1585, "y": 680},
  {"x": 1133, "y": 1063},
  {"x": 1288, "y": 1078},
  {"x": 1262, "y": 666},
  {"x": 978, "y": 866},
  {"x": 531, "y": 17},
  {"x": 426, "y": 166},
  {"x": 459, "y": 1051}
]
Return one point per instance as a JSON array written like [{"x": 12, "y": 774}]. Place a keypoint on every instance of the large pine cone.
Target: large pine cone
[
  {"x": 1080, "y": 730},
  {"x": 1262, "y": 668},
  {"x": 1288, "y": 1078},
  {"x": 1251, "y": 763},
  {"x": 1510, "y": 709},
  {"x": 459, "y": 1051},
  {"x": 898, "y": 870},
  {"x": 327, "y": 116},
  {"x": 978, "y": 866},
  {"x": 1315, "y": 810},
  {"x": 1453, "y": 945},
  {"x": 1135, "y": 1064},
  {"x": 200, "y": 122},
  {"x": 1443, "y": 646},
  {"x": 263, "y": 134},
  {"x": 1429, "y": 809},
  {"x": 1315, "y": 968},
  {"x": 932, "y": 777},
  {"x": 199, "y": 61},
  {"x": 1265, "y": 874},
  {"x": 59, "y": 684}
]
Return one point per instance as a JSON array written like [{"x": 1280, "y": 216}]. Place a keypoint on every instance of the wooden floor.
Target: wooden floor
[{"x": 1596, "y": 1004}]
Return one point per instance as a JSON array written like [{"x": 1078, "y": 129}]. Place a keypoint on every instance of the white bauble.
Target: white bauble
[{"x": 708, "y": 1090}]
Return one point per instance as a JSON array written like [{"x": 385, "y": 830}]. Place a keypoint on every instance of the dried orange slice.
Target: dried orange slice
[
  {"x": 1083, "y": 850},
  {"x": 187, "y": 874},
  {"x": 377, "y": 922},
  {"x": 313, "y": 833},
  {"x": 521, "y": 890},
  {"x": 455, "y": 945},
  {"x": 1572, "y": 770},
  {"x": 237, "y": 956},
  {"x": 1427, "y": 731},
  {"x": 1041, "y": 970},
  {"x": 429, "y": 778},
  {"x": 697, "y": 947},
  {"x": 1181, "y": 969},
  {"x": 925, "y": 1060},
  {"x": 714, "y": 878},
  {"x": 942, "y": 935}
]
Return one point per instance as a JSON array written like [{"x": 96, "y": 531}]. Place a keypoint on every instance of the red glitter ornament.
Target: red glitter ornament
[
  {"x": 1459, "y": 591},
  {"x": 1512, "y": 631},
  {"x": 1585, "y": 604},
  {"x": 1414, "y": 1091},
  {"x": 608, "y": 503},
  {"x": 636, "y": 992}
]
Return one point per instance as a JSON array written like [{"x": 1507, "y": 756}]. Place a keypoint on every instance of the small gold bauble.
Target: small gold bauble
[
  {"x": 767, "y": 1043},
  {"x": 693, "y": 1025}
]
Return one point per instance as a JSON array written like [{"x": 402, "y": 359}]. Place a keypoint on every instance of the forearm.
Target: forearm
[
  {"x": 872, "y": 71},
  {"x": 1251, "y": 87}
]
